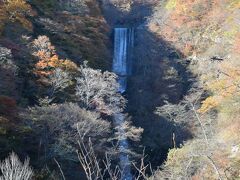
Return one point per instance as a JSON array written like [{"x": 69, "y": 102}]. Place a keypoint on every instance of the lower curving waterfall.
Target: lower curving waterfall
[{"x": 123, "y": 43}]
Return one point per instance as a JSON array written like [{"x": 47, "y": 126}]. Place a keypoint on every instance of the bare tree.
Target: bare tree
[
  {"x": 6, "y": 60},
  {"x": 173, "y": 112},
  {"x": 59, "y": 80},
  {"x": 63, "y": 124},
  {"x": 88, "y": 160},
  {"x": 185, "y": 112},
  {"x": 13, "y": 169},
  {"x": 184, "y": 162},
  {"x": 96, "y": 169},
  {"x": 194, "y": 155},
  {"x": 42, "y": 44},
  {"x": 142, "y": 168},
  {"x": 99, "y": 91},
  {"x": 126, "y": 130}
]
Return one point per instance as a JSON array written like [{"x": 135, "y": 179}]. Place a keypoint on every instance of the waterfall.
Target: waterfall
[{"x": 123, "y": 43}]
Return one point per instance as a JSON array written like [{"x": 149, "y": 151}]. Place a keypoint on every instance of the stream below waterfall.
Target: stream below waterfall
[{"x": 123, "y": 43}]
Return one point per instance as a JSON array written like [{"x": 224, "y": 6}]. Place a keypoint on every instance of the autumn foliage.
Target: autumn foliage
[
  {"x": 191, "y": 24},
  {"x": 207, "y": 33},
  {"x": 15, "y": 11},
  {"x": 225, "y": 86},
  {"x": 205, "y": 28},
  {"x": 48, "y": 59}
]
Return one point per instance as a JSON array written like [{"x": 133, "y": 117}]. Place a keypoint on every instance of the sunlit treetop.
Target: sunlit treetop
[{"x": 48, "y": 60}]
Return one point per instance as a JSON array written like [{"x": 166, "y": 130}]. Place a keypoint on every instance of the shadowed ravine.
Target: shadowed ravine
[{"x": 123, "y": 42}]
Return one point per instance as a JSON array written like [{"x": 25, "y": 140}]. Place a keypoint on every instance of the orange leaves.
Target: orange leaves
[
  {"x": 169, "y": 34},
  {"x": 184, "y": 22},
  {"x": 48, "y": 59},
  {"x": 46, "y": 65},
  {"x": 185, "y": 6},
  {"x": 197, "y": 23},
  {"x": 54, "y": 61},
  {"x": 207, "y": 27},
  {"x": 42, "y": 55},
  {"x": 178, "y": 19},
  {"x": 187, "y": 10}
]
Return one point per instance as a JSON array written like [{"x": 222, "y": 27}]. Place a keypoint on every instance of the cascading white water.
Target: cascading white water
[{"x": 123, "y": 42}]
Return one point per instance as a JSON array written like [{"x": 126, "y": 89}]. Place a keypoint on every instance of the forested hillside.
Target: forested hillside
[
  {"x": 60, "y": 97},
  {"x": 207, "y": 35}
]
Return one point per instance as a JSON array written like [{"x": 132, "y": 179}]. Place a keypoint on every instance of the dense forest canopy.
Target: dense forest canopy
[{"x": 59, "y": 97}]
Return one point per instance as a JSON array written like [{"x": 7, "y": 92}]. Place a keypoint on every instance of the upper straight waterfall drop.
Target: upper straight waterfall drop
[{"x": 123, "y": 43}]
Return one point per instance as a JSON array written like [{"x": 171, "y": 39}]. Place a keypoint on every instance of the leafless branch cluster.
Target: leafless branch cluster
[
  {"x": 64, "y": 124},
  {"x": 42, "y": 44},
  {"x": 99, "y": 91},
  {"x": 13, "y": 169},
  {"x": 106, "y": 169},
  {"x": 130, "y": 132},
  {"x": 186, "y": 161},
  {"x": 186, "y": 111},
  {"x": 6, "y": 60},
  {"x": 59, "y": 81}
]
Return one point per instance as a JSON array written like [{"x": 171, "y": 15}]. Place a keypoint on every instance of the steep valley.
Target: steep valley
[{"x": 120, "y": 89}]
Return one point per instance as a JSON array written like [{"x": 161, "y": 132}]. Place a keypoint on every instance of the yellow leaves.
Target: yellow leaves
[
  {"x": 209, "y": 103},
  {"x": 54, "y": 61},
  {"x": 229, "y": 91},
  {"x": 69, "y": 65},
  {"x": 15, "y": 11},
  {"x": 234, "y": 4},
  {"x": 231, "y": 131},
  {"x": 171, "y": 4},
  {"x": 175, "y": 156},
  {"x": 229, "y": 119},
  {"x": 231, "y": 33},
  {"x": 217, "y": 85},
  {"x": 225, "y": 86}
]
